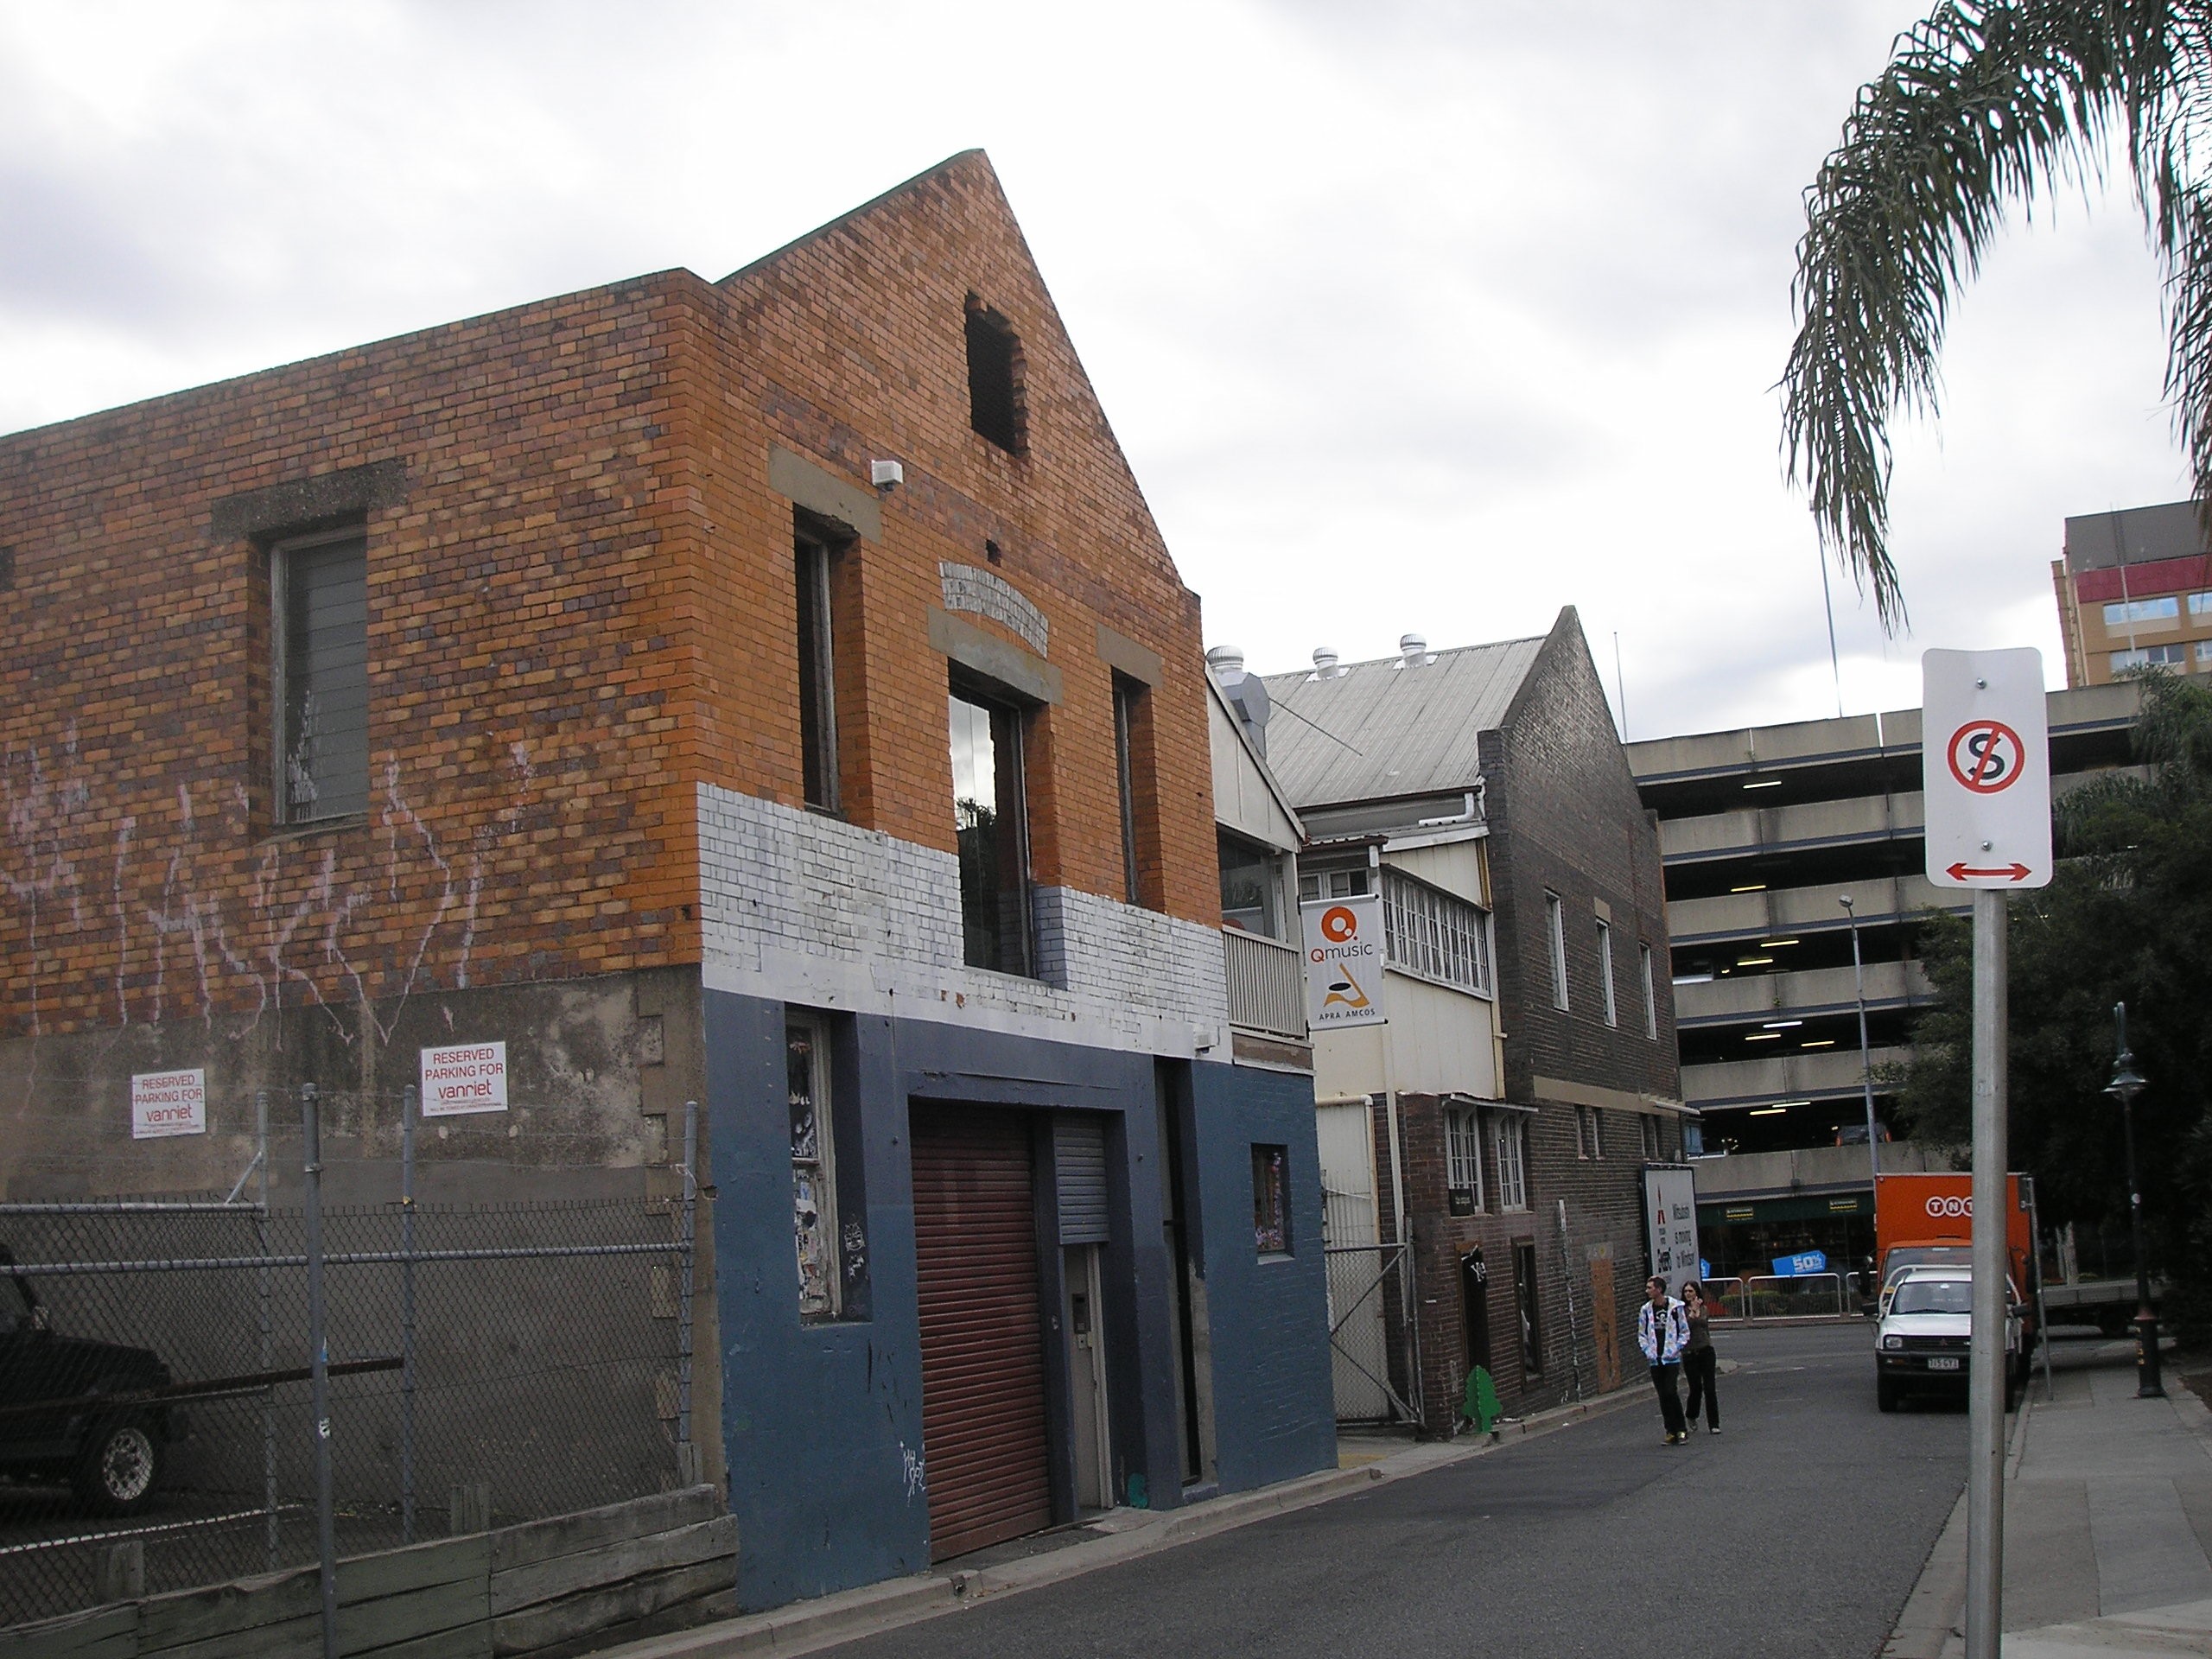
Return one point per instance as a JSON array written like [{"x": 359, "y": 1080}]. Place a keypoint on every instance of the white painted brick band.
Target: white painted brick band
[{"x": 800, "y": 908}]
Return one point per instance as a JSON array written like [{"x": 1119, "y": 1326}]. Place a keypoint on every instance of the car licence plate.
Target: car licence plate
[{"x": 1942, "y": 1364}]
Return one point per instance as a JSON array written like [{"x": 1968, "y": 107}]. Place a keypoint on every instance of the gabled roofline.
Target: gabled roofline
[
  {"x": 852, "y": 213},
  {"x": 1267, "y": 772}
]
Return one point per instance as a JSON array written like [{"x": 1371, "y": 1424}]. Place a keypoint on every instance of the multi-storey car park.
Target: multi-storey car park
[{"x": 1763, "y": 831}]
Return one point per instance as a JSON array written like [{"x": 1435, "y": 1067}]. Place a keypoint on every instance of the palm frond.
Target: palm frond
[{"x": 1984, "y": 105}]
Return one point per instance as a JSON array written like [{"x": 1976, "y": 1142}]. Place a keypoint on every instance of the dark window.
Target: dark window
[
  {"x": 1271, "y": 1199},
  {"x": 813, "y": 1179},
  {"x": 1127, "y": 694},
  {"x": 1524, "y": 1295},
  {"x": 1652, "y": 1143},
  {"x": 994, "y": 377},
  {"x": 990, "y": 822},
  {"x": 323, "y": 677},
  {"x": 817, "y": 693},
  {"x": 6, "y": 568},
  {"x": 828, "y": 1207}
]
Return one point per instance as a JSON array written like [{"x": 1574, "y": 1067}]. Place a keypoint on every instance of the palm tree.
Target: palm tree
[{"x": 1985, "y": 104}]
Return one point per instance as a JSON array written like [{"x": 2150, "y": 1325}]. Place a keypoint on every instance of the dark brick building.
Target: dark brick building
[{"x": 1528, "y": 1072}]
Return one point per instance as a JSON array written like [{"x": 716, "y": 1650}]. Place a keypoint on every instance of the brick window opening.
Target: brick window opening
[
  {"x": 1605, "y": 972},
  {"x": 1555, "y": 930},
  {"x": 1589, "y": 1132},
  {"x": 1271, "y": 1199},
  {"x": 1463, "y": 1159},
  {"x": 1139, "y": 789},
  {"x": 814, "y": 552},
  {"x": 990, "y": 823},
  {"x": 320, "y": 604},
  {"x": 995, "y": 389},
  {"x": 1650, "y": 995},
  {"x": 1510, "y": 1143},
  {"x": 1654, "y": 1146},
  {"x": 6, "y": 568}
]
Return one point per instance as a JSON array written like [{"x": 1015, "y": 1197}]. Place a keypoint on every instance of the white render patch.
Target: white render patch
[
  {"x": 983, "y": 592},
  {"x": 796, "y": 907}
]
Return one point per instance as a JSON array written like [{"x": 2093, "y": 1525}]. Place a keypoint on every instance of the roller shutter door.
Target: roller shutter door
[
  {"x": 982, "y": 1347},
  {"x": 1079, "y": 1167}
]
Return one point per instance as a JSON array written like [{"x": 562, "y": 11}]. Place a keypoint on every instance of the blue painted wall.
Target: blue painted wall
[
  {"x": 1274, "y": 1403},
  {"x": 822, "y": 1423}
]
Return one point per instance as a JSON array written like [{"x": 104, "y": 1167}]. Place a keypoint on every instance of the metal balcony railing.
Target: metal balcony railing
[{"x": 1267, "y": 985}]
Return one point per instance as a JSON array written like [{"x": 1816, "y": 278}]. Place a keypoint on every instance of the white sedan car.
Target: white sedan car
[{"x": 1922, "y": 1342}]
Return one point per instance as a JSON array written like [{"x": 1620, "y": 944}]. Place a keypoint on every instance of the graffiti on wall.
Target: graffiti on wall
[{"x": 194, "y": 918}]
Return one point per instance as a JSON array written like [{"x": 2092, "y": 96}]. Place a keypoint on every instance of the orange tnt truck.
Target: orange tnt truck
[{"x": 1928, "y": 1220}]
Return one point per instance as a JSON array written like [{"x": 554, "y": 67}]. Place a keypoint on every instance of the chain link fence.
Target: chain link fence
[{"x": 486, "y": 1364}]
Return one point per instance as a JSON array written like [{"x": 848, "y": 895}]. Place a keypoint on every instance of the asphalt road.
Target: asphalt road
[{"x": 1799, "y": 1531}]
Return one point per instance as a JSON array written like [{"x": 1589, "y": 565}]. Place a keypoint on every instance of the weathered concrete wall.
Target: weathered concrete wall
[{"x": 598, "y": 1070}]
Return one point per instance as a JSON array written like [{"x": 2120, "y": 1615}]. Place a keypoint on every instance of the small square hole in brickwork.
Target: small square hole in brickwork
[
  {"x": 991, "y": 552},
  {"x": 994, "y": 401},
  {"x": 6, "y": 568}
]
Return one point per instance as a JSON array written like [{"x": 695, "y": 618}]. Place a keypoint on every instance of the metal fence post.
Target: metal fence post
[
  {"x": 687, "y": 1457},
  {"x": 319, "y": 1365},
  {"x": 407, "y": 1104},
  {"x": 268, "y": 1330}
]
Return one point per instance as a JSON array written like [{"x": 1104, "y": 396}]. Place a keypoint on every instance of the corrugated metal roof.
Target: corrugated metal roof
[{"x": 1381, "y": 729}]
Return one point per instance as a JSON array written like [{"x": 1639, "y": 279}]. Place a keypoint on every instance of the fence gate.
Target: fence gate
[{"x": 1370, "y": 1287}]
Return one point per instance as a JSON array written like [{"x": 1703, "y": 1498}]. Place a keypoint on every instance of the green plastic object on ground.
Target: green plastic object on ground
[{"x": 1479, "y": 1404}]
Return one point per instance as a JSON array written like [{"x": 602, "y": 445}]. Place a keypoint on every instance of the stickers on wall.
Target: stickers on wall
[
  {"x": 168, "y": 1103},
  {"x": 465, "y": 1077}
]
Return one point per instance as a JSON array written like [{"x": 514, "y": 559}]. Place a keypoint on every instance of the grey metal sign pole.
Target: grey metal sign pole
[
  {"x": 1986, "y": 1359},
  {"x": 1985, "y": 779}
]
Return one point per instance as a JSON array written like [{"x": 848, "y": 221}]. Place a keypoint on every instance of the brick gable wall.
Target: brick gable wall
[
  {"x": 525, "y": 690},
  {"x": 581, "y": 607}
]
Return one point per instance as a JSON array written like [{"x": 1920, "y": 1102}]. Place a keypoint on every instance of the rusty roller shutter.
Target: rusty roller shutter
[
  {"x": 982, "y": 1347},
  {"x": 1079, "y": 1171}
]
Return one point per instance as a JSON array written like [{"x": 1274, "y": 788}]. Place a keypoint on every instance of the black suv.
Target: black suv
[{"x": 90, "y": 1413}]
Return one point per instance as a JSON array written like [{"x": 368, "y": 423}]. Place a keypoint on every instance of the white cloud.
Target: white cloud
[{"x": 1411, "y": 315}]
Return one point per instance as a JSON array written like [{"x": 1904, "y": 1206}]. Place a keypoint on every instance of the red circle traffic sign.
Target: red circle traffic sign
[{"x": 1986, "y": 756}]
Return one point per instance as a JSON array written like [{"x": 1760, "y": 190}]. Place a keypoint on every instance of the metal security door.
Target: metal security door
[{"x": 983, "y": 1442}]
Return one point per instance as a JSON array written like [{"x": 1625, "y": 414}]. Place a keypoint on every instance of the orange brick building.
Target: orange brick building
[{"x": 580, "y": 677}]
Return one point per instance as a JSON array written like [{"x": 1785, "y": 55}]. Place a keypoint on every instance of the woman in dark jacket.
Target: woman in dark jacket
[{"x": 1699, "y": 1362}]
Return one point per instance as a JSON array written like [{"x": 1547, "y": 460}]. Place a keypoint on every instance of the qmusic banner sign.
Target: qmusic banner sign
[
  {"x": 1343, "y": 961},
  {"x": 466, "y": 1078},
  {"x": 168, "y": 1103}
]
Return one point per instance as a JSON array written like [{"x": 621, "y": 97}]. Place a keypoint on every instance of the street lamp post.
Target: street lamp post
[{"x": 2127, "y": 1083}]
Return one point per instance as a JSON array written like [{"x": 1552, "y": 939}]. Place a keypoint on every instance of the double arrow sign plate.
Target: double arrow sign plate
[{"x": 1985, "y": 758}]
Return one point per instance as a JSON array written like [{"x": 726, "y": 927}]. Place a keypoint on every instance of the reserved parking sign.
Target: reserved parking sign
[
  {"x": 464, "y": 1077},
  {"x": 163, "y": 1104}
]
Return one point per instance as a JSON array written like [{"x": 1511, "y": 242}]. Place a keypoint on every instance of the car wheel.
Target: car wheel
[
  {"x": 1885, "y": 1393},
  {"x": 119, "y": 1467}
]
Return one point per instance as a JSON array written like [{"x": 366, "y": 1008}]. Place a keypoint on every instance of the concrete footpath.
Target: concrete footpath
[
  {"x": 1105, "y": 1540},
  {"x": 2107, "y": 1526}
]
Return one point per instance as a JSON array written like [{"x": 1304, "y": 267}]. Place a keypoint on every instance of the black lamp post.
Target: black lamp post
[{"x": 2127, "y": 1083}]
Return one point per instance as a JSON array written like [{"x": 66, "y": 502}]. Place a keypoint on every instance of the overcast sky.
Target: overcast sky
[{"x": 1411, "y": 317}]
